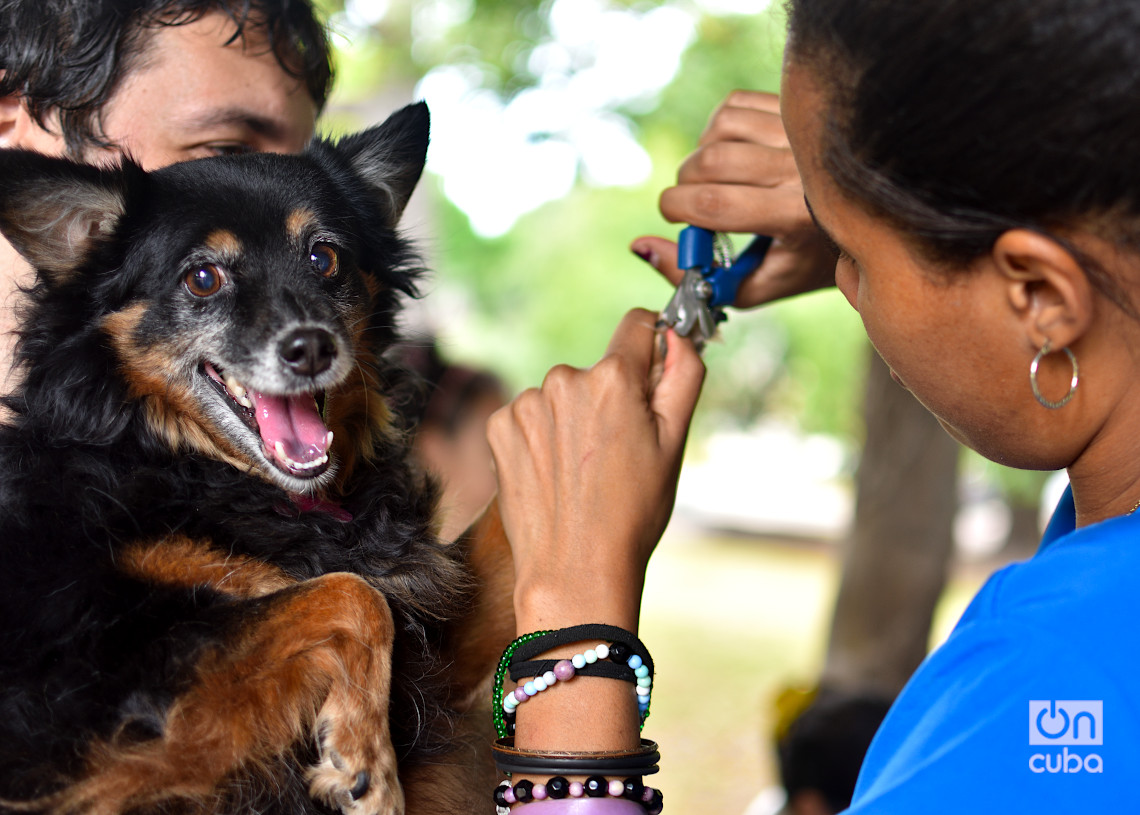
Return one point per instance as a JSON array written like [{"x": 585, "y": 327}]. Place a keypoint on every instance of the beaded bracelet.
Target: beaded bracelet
[
  {"x": 595, "y": 786},
  {"x": 497, "y": 713},
  {"x": 580, "y": 806},
  {"x": 630, "y": 657},
  {"x": 601, "y": 666},
  {"x": 562, "y": 670}
]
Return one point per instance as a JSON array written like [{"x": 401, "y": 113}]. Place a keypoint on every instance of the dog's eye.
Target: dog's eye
[
  {"x": 324, "y": 259},
  {"x": 204, "y": 281}
]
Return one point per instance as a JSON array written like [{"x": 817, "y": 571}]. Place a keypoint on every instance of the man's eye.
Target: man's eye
[{"x": 229, "y": 149}]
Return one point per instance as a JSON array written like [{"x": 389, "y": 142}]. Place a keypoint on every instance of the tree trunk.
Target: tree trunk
[{"x": 900, "y": 545}]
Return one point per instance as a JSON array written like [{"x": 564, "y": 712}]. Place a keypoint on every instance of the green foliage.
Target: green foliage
[
  {"x": 825, "y": 364},
  {"x": 730, "y": 53},
  {"x": 552, "y": 290}
]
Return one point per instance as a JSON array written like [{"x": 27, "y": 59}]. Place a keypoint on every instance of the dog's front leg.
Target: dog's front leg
[
  {"x": 357, "y": 771},
  {"x": 309, "y": 661}
]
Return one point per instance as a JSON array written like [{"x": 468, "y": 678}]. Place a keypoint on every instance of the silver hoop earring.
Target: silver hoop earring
[{"x": 1064, "y": 400}]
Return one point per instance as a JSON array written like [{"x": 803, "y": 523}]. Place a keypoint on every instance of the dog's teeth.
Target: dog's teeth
[
  {"x": 308, "y": 465},
  {"x": 245, "y": 402},
  {"x": 299, "y": 465},
  {"x": 237, "y": 389},
  {"x": 328, "y": 440}
]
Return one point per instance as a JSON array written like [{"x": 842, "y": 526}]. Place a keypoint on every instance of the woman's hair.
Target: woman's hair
[
  {"x": 961, "y": 119},
  {"x": 70, "y": 56}
]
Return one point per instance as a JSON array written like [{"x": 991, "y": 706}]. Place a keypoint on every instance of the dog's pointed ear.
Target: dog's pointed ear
[
  {"x": 390, "y": 156},
  {"x": 56, "y": 212}
]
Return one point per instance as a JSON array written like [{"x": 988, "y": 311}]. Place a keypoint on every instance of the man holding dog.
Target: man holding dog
[
  {"x": 169, "y": 80},
  {"x": 159, "y": 80}
]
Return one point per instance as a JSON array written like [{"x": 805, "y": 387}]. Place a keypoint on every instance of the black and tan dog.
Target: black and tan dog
[{"x": 220, "y": 589}]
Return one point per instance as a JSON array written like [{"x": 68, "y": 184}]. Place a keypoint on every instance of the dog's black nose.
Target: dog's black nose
[{"x": 308, "y": 351}]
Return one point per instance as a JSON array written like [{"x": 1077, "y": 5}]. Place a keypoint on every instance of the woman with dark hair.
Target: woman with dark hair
[{"x": 974, "y": 164}]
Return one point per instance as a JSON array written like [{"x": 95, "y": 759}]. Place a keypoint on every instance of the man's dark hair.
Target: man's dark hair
[
  {"x": 825, "y": 746},
  {"x": 69, "y": 56}
]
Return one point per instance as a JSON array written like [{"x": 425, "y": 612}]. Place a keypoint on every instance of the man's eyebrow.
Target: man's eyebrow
[{"x": 240, "y": 117}]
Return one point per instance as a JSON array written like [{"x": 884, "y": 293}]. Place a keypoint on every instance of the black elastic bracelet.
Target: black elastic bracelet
[
  {"x": 510, "y": 759},
  {"x": 578, "y": 633}
]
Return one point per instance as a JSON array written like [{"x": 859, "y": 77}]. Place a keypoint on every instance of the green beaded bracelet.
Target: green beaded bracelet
[{"x": 497, "y": 714}]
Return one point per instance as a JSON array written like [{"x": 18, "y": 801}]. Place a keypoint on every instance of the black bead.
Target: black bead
[
  {"x": 596, "y": 786},
  {"x": 633, "y": 788},
  {"x": 524, "y": 791},
  {"x": 500, "y": 796},
  {"x": 656, "y": 803},
  {"x": 558, "y": 787},
  {"x": 620, "y": 653}
]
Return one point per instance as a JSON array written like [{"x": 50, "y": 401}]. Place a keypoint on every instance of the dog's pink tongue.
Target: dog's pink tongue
[{"x": 293, "y": 423}]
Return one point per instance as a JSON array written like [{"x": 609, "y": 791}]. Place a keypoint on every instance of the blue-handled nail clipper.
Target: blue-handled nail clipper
[{"x": 712, "y": 278}]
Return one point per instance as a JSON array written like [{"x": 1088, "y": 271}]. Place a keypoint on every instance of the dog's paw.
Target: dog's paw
[{"x": 357, "y": 776}]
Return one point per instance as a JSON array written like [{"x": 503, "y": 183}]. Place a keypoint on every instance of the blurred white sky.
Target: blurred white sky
[{"x": 500, "y": 158}]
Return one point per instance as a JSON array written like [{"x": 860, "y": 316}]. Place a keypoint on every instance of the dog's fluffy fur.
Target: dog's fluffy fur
[{"x": 198, "y": 611}]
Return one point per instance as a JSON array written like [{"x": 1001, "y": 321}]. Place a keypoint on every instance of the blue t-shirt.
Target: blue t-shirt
[{"x": 1033, "y": 703}]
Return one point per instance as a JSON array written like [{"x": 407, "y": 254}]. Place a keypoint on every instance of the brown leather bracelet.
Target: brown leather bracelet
[{"x": 511, "y": 759}]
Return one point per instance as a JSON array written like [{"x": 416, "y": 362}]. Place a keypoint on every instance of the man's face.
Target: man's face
[{"x": 193, "y": 95}]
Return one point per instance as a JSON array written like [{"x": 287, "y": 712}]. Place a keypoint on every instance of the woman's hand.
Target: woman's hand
[
  {"x": 587, "y": 469},
  {"x": 742, "y": 178}
]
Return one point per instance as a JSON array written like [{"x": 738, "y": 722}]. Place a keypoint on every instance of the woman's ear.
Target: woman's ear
[{"x": 1048, "y": 288}]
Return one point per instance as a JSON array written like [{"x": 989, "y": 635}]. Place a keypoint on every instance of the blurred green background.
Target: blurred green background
[{"x": 592, "y": 104}]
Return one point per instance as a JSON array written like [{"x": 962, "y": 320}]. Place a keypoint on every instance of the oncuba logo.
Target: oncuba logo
[{"x": 1066, "y": 723}]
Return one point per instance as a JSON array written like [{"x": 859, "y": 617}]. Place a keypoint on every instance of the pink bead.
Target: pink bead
[
  {"x": 564, "y": 669},
  {"x": 520, "y": 694},
  {"x": 647, "y": 794},
  {"x": 509, "y": 796},
  {"x": 616, "y": 788},
  {"x": 539, "y": 792},
  {"x": 576, "y": 789}
]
